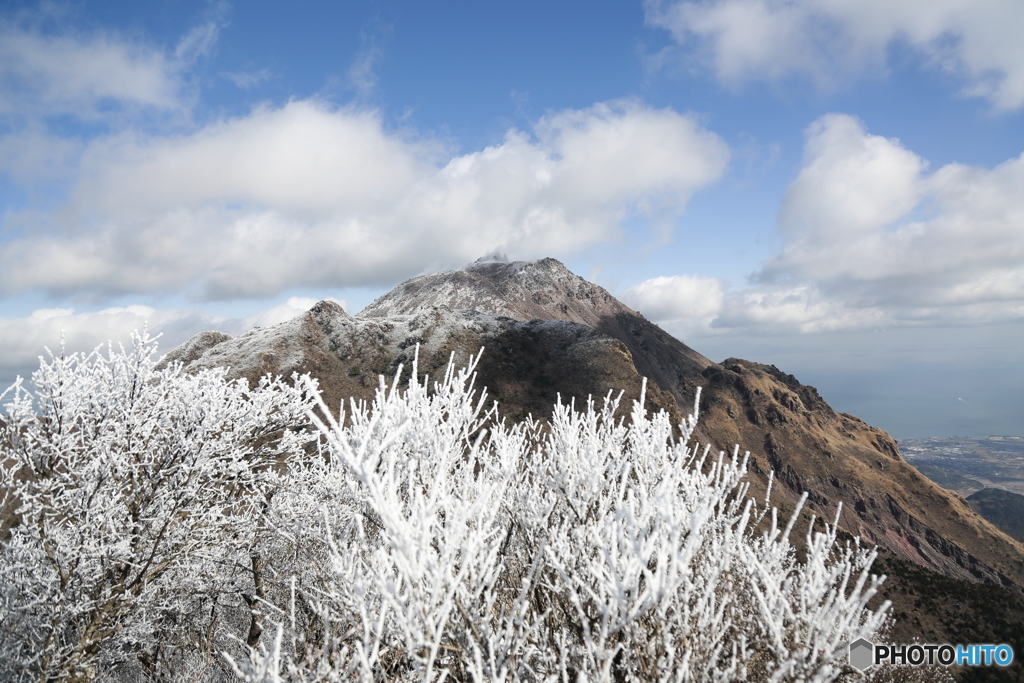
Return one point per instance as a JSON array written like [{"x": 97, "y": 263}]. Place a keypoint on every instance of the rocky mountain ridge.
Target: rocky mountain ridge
[
  {"x": 838, "y": 458},
  {"x": 525, "y": 365},
  {"x": 547, "y": 290},
  {"x": 547, "y": 332}
]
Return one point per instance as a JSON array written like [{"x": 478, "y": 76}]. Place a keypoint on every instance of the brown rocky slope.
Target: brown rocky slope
[{"x": 547, "y": 332}]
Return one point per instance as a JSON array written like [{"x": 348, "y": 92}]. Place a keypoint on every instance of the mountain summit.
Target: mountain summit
[
  {"x": 548, "y": 333},
  {"x": 522, "y": 290},
  {"x": 547, "y": 290}
]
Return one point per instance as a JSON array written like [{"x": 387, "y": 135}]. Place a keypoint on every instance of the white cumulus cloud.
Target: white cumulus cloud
[
  {"x": 799, "y": 308},
  {"x": 687, "y": 303},
  {"x": 315, "y": 195},
  {"x": 850, "y": 182},
  {"x": 833, "y": 40},
  {"x": 867, "y": 223},
  {"x": 872, "y": 238},
  {"x": 82, "y": 74}
]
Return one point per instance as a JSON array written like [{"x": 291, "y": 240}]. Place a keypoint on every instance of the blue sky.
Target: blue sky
[{"x": 835, "y": 187}]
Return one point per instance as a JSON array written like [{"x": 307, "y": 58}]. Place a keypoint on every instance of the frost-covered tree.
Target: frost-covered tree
[
  {"x": 431, "y": 540},
  {"x": 132, "y": 502}
]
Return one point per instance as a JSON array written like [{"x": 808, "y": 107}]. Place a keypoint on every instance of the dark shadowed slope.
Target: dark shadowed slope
[{"x": 1005, "y": 509}]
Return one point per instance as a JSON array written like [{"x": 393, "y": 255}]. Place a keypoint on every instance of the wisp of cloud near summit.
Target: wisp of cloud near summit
[{"x": 224, "y": 173}]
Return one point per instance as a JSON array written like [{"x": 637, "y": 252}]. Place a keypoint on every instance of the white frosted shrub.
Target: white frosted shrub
[
  {"x": 160, "y": 525},
  {"x": 133, "y": 498},
  {"x": 433, "y": 541}
]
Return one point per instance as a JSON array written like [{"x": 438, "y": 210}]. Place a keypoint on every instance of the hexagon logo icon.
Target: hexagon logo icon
[{"x": 860, "y": 654}]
